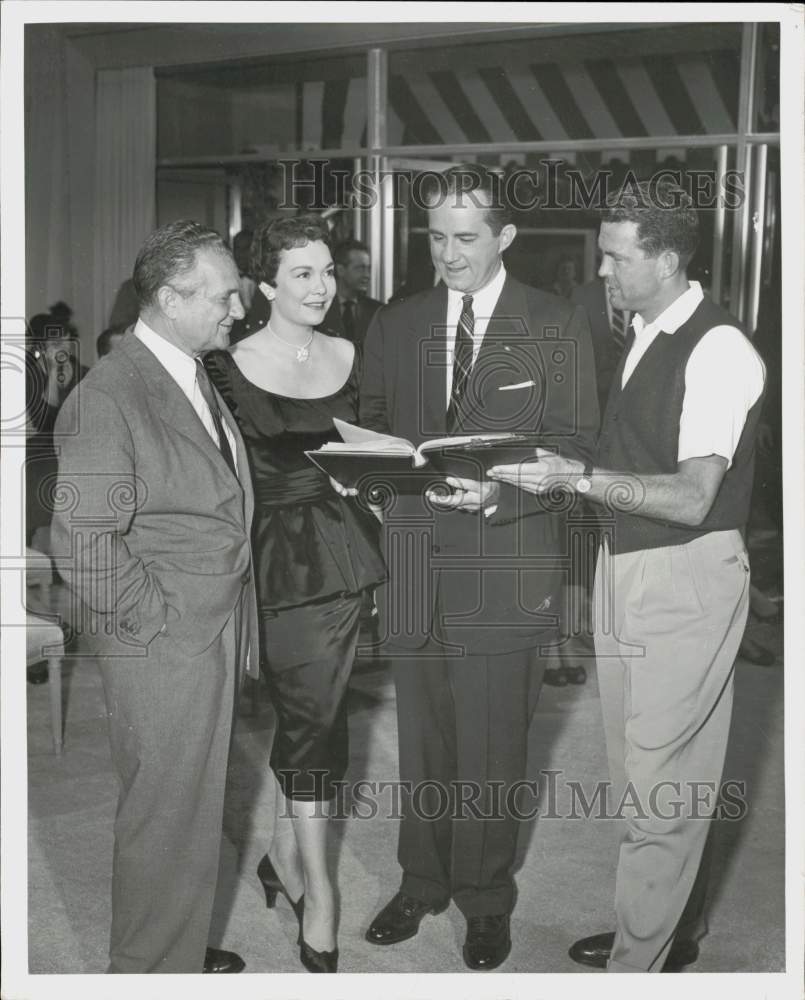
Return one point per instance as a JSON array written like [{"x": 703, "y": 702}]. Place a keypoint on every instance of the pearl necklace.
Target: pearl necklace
[{"x": 302, "y": 353}]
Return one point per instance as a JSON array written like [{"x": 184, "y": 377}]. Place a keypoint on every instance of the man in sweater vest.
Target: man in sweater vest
[{"x": 673, "y": 472}]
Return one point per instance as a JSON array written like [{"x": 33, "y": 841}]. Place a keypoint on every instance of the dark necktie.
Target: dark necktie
[
  {"x": 348, "y": 319},
  {"x": 209, "y": 398},
  {"x": 462, "y": 363},
  {"x": 620, "y": 329}
]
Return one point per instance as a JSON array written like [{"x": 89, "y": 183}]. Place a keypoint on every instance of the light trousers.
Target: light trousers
[{"x": 668, "y": 624}]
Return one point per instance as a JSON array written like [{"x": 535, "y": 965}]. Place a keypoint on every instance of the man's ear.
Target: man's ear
[
  {"x": 506, "y": 236},
  {"x": 167, "y": 299},
  {"x": 669, "y": 263}
]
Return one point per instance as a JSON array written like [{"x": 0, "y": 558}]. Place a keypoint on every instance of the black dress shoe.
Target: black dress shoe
[
  {"x": 488, "y": 941},
  {"x": 37, "y": 674},
  {"x": 222, "y": 961},
  {"x": 595, "y": 951},
  {"x": 753, "y": 652},
  {"x": 575, "y": 675},
  {"x": 400, "y": 919}
]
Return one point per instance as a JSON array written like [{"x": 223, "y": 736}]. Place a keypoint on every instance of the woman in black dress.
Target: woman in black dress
[{"x": 314, "y": 550}]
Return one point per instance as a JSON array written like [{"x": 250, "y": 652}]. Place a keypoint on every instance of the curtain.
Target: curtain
[
  {"x": 125, "y": 178},
  {"x": 47, "y": 219}
]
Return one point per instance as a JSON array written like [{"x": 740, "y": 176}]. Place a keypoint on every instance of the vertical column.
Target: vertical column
[
  {"x": 377, "y": 89},
  {"x": 718, "y": 225},
  {"x": 740, "y": 235},
  {"x": 760, "y": 160}
]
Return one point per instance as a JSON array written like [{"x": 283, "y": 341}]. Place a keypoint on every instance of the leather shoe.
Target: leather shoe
[
  {"x": 753, "y": 652},
  {"x": 595, "y": 951},
  {"x": 400, "y": 919},
  {"x": 555, "y": 677},
  {"x": 222, "y": 961},
  {"x": 488, "y": 941}
]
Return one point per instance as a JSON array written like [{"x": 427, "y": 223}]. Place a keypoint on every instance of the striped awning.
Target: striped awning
[{"x": 664, "y": 95}]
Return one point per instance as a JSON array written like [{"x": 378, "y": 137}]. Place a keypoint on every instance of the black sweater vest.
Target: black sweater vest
[{"x": 640, "y": 434}]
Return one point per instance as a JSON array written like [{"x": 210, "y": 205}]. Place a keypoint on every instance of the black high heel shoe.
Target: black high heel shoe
[
  {"x": 313, "y": 961},
  {"x": 272, "y": 884},
  {"x": 317, "y": 961}
]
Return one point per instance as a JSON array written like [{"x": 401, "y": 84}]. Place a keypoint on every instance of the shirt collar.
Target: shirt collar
[
  {"x": 180, "y": 366},
  {"x": 485, "y": 299},
  {"x": 679, "y": 312}
]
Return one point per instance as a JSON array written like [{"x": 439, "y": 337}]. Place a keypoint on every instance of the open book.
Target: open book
[{"x": 364, "y": 456}]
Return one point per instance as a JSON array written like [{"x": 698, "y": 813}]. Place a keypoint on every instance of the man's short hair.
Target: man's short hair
[
  {"x": 479, "y": 186},
  {"x": 169, "y": 253},
  {"x": 342, "y": 250},
  {"x": 664, "y": 215},
  {"x": 272, "y": 238}
]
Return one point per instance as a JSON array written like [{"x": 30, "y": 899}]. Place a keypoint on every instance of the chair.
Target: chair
[{"x": 44, "y": 639}]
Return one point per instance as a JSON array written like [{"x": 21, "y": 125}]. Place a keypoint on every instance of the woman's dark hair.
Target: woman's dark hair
[{"x": 272, "y": 238}]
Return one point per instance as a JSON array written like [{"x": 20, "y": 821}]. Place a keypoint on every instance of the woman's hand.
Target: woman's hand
[{"x": 344, "y": 491}]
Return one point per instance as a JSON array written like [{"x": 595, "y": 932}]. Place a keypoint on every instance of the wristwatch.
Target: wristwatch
[{"x": 585, "y": 482}]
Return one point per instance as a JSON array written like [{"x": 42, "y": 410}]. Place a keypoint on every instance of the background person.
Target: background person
[{"x": 352, "y": 309}]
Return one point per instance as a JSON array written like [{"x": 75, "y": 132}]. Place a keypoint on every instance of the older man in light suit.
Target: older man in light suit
[{"x": 152, "y": 535}]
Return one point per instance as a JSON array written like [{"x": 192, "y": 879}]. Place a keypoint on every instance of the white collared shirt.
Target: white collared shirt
[
  {"x": 724, "y": 378},
  {"x": 483, "y": 305},
  {"x": 182, "y": 369}
]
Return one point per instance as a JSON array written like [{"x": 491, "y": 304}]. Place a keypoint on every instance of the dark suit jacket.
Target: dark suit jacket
[
  {"x": 593, "y": 298},
  {"x": 365, "y": 308},
  {"x": 149, "y": 522},
  {"x": 255, "y": 319},
  {"x": 497, "y": 579}
]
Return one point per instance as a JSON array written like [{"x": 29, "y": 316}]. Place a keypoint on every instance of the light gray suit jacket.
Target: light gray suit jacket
[{"x": 150, "y": 527}]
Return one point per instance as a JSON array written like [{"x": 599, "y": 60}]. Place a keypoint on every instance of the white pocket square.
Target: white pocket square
[{"x": 518, "y": 385}]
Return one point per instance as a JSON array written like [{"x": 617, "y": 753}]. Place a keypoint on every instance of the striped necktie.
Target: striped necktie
[
  {"x": 462, "y": 363},
  {"x": 203, "y": 381},
  {"x": 348, "y": 319},
  {"x": 619, "y": 325}
]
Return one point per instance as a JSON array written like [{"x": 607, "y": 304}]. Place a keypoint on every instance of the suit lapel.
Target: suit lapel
[
  {"x": 241, "y": 457},
  {"x": 173, "y": 407},
  {"x": 431, "y": 362},
  {"x": 332, "y": 321},
  {"x": 507, "y": 324}
]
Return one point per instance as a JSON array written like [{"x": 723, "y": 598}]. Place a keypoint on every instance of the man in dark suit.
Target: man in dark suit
[
  {"x": 463, "y": 615},
  {"x": 153, "y": 541},
  {"x": 351, "y": 310}
]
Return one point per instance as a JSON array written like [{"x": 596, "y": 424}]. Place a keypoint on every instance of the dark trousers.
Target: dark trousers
[{"x": 463, "y": 729}]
